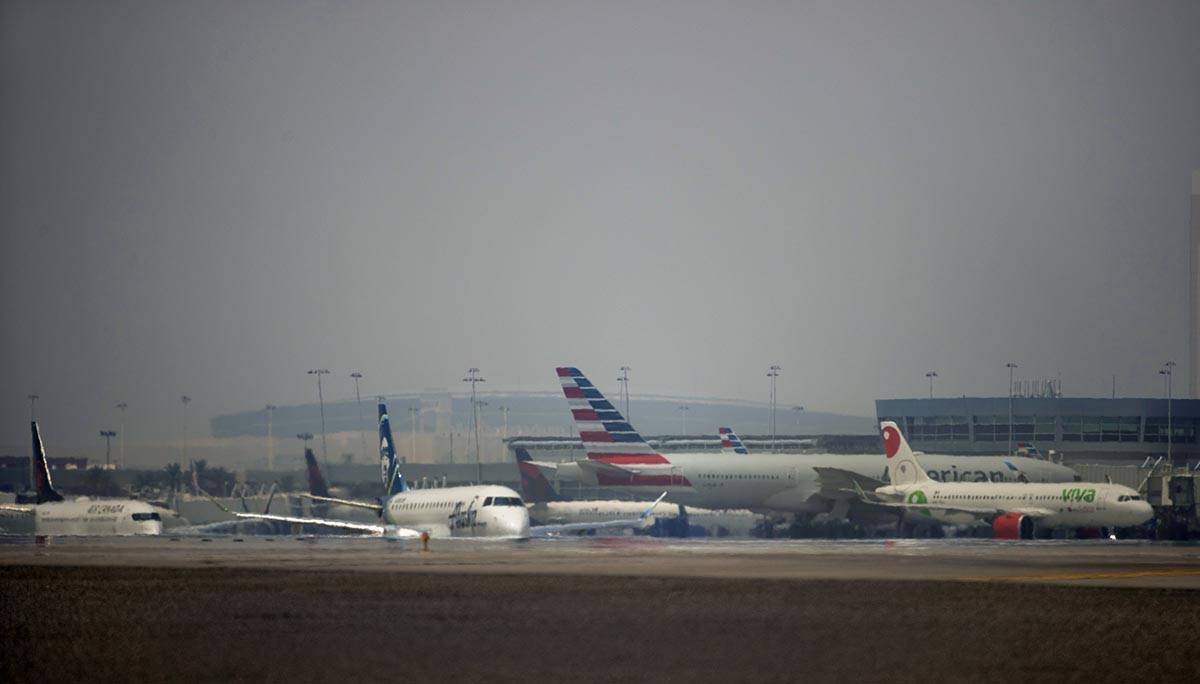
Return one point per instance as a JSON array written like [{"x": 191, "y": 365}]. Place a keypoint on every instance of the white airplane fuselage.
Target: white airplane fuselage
[
  {"x": 788, "y": 483},
  {"x": 84, "y": 517},
  {"x": 1070, "y": 505},
  {"x": 473, "y": 511}
]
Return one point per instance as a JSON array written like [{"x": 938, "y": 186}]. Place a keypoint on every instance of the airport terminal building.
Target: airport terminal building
[{"x": 1081, "y": 430}]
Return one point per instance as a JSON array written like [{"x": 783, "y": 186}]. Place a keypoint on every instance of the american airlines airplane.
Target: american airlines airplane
[
  {"x": 1013, "y": 509},
  {"x": 51, "y": 515},
  {"x": 730, "y": 442},
  {"x": 618, "y": 457},
  {"x": 478, "y": 511}
]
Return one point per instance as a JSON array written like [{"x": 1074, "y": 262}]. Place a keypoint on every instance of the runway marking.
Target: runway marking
[{"x": 1124, "y": 574}]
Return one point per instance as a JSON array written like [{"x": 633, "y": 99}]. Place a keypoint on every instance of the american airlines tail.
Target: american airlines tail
[
  {"x": 535, "y": 488},
  {"x": 606, "y": 435},
  {"x": 393, "y": 480},
  {"x": 903, "y": 466},
  {"x": 730, "y": 442},
  {"x": 316, "y": 481},
  {"x": 42, "y": 485}
]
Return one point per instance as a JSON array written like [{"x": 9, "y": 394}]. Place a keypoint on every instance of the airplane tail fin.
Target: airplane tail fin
[
  {"x": 730, "y": 442},
  {"x": 316, "y": 481},
  {"x": 393, "y": 481},
  {"x": 904, "y": 468},
  {"x": 43, "y": 487},
  {"x": 606, "y": 435},
  {"x": 535, "y": 488}
]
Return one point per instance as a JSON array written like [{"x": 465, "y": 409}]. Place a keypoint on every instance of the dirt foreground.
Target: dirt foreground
[{"x": 137, "y": 624}]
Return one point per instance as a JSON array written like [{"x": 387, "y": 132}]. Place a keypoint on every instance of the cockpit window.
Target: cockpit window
[
  {"x": 507, "y": 501},
  {"x": 487, "y": 501},
  {"x": 146, "y": 516}
]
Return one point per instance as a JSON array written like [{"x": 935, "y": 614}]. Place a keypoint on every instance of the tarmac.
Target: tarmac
[
  {"x": 1091, "y": 563},
  {"x": 597, "y": 609}
]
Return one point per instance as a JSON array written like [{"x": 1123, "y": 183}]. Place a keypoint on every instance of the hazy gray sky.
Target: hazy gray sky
[{"x": 212, "y": 197}]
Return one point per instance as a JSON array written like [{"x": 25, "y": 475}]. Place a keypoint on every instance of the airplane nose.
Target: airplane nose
[{"x": 1144, "y": 511}]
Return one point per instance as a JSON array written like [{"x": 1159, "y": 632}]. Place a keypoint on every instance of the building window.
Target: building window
[
  {"x": 1043, "y": 428},
  {"x": 1183, "y": 430},
  {"x": 937, "y": 428}
]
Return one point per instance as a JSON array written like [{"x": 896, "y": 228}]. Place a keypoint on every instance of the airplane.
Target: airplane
[
  {"x": 478, "y": 511},
  {"x": 1013, "y": 509},
  {"x": 618, "y": 457},
  {"x": 547, "y": 506},
  {"x": 730, "y": 442},
  {"x": 52, "y": 515}
]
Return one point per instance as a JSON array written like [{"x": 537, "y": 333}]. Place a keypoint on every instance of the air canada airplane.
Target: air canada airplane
[
  {"x": 490, "y": 511},
  {"x": 618, "y": 457},
  {"x": 1013, "y": 509},
  {"x": 51, "y": 515}
]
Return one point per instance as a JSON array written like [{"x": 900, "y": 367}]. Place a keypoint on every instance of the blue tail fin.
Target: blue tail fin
[
  {"x": 316, "y": 481},
  {"x": 393, "y": 481},
  {"x": 43, "y": 487}
]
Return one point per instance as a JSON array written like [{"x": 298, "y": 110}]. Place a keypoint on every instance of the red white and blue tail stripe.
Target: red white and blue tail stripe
[
  {"x": 730, "y": 442},
  {"x": 606, "y": 435}
]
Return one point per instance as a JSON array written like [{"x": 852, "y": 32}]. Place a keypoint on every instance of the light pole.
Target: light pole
[
  {"x": 474, "y": 378},
  {"x": 1011, "y": 367},
  {"x": 270, "y": 409},
  {"x": 773, "y": 373},
  {"x": 321, "y": 402},
  {"x": 183, "y": 451},
  {"x": 32, "y": 405},
  {"x": 107, "y": 435},
  {"x": 305, "y": 437},
  {"x": 683, "y": 411},
  {"x": 123, "y": 406},
  {"x": 799, "y": 411},
  {"x": 504, "y": 412},
  {"x": 362, "y": 435},
  {"x": 624, "y": 380},
  {"x": 931, "y": 375},
  {"x": 414, "y": 412},
  {"x": 1169, "y": 370}
]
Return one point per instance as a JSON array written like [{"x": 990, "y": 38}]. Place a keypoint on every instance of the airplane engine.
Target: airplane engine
[{"x": 1012, "y": 526}]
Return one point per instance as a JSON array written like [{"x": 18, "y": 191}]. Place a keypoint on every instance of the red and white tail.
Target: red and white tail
[
  {"x": 903, "y": 466},
  {"x": 730, "y": 442},
  {"x": 606, "y": 435}
]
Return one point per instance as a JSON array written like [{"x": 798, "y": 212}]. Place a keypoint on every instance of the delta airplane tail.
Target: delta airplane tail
[
  {"x": 903, "y": 466},
  {"x": 535, "y": 488},
  {"x": 730, "y": 442},
  {"x": 316, "y": 481},
  {"x": 607, "y": 436},
  {"x": 43, "y": 487},
  {"x": 393, "y": 480}
]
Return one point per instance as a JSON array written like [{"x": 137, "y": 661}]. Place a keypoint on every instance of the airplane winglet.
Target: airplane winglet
[{"x": 646, "y": 513}]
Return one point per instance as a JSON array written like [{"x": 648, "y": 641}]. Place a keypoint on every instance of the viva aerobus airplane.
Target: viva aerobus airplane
[
  {"x": 479, "y": 511},
  {"x": 52, "y": 515},
  {"x": 1013, "y": 509},
  {"x": 618, "y": 457}
]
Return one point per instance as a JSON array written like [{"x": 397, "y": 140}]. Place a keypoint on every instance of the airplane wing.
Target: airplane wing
[
  {"x": 16, "y": 509},
  {"x": 548, "y": 530},
  {"x": 346, "y": 502},
  {"x": 378, "y": 530},
  {"x": 837, "y": 482}
]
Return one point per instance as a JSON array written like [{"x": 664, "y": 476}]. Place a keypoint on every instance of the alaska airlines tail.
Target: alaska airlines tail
[
  {"x": 606, "y": 436},
  {"x": 535, "y": 488},
  {"x": 903, "y": 466},
  {"x": 42, "y": 486},
  {"x": 730, "y": 442},
  {"x": 316, "y": 481},
  {"x": 393, "y": 481}
]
